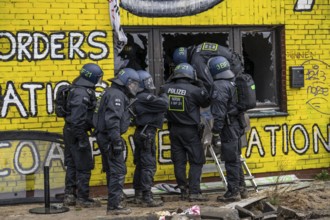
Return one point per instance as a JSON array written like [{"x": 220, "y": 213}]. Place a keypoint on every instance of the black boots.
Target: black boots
[
  {"x": 230, "y": 196},
  {"x": 69, "y": 200},
  {"x": 149, "y": 201},
  {"x": 137, "y": 197},
  {"x": 198, "y": 197},
  {"x": 244, "y": 193},
  {"x": 184, "y": 192},
  {"x": 87, "y": 203},
  {"x": 119, "y": 210}
]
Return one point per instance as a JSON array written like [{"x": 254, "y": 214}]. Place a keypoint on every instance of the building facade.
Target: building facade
[{"x": 43, "y": 44}]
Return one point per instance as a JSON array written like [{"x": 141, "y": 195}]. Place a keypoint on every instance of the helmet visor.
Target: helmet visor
[
  {"x": 99, "y": 81},
  {"x": 132, "y": 87},
  {"x": 149, "y": 83}
]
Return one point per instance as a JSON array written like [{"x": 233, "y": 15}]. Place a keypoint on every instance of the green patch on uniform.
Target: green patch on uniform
[
  {"x": 209, "y": 47},
  {"x": 176, "y": 103}
]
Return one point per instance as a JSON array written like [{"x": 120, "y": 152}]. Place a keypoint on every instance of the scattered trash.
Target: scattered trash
[{"x": 192, "y": 211}]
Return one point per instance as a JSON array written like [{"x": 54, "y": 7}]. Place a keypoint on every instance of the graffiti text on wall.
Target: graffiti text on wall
[
  {"x": 280, "y": 136},
  {"x": 300, "y": 54},
  {"x": 11, "y": 97},
  {"x": 295, "y": 138},
  {"x": 34, "y": 46},
  {"x": 318, "y": 90}
]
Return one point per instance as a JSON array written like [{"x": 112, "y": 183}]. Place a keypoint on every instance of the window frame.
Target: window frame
[{"x": 156, "y": 61}]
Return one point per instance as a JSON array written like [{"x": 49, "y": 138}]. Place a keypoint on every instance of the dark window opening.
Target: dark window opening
[
  {"x": 134, "y": 55},
  {"x": 151, "y": 49},
  {"x": 259, "y": 61},
  {"x": 171, "y": 41}
]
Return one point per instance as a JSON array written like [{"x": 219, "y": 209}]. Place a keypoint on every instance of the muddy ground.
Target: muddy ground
[{"x": 314, "y": 198}]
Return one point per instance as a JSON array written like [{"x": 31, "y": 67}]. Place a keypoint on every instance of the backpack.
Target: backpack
[
  {"x": 246, "y": 93},
  {"x": 61, "y": 100}
]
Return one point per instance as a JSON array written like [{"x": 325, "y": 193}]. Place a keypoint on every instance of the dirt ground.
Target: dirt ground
[{"x": 314, "y": 198}]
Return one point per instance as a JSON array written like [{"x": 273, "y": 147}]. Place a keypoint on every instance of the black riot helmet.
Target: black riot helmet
[
  {"x": 91, "y": 72},
  {"x": 184, "y": 70},
  {"x": 146, "y": 81},
  {"x": 180, "y": 55},
  {"x": 129, "y": 78},
  {"x": 220, "y": 68}
]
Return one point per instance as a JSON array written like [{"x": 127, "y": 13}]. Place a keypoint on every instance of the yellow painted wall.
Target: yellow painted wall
[{"x": 299, "y": 141}]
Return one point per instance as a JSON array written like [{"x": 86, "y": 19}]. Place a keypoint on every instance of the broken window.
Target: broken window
[
  {"x": 171, "y": 41},
  {"x": 259, "y": 61},
  {"x": 135, "y": 54},
  {"x": 260, "y": 47}
]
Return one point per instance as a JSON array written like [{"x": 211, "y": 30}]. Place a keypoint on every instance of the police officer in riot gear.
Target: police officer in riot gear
[
  {"x": 78, "y": 153},
  {"x": 149, "y": 110},
  {"x": 186, "y": 96},
  {"x": 226, "y": 126},
  {"x": 111, "y": 120},
  {"x": 199, "y": 55}
]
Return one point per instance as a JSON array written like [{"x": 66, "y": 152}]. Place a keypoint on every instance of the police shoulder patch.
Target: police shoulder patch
[{"x": 117, "y": 102}]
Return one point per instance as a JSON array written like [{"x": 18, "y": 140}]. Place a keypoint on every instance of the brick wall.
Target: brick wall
[{"x": 28, "y": 79}]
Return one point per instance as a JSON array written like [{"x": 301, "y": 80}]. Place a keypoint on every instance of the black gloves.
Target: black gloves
[
  {"x": 216, "y": 140},
  {"x": 117, "y": 147}
]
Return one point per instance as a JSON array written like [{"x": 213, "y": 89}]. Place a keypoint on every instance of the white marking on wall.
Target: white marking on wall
[
  {"x": 272, "y": 129},
  {"x": 24, "y": 41},
  {"x": 163, "y": 147},
  {"x": 76, "y": 39},
  {"x": 12, "y": 40},
  {"x": 56, "y": 45},
  {"x": 6, "y": 171},
  {"x": 35, "y": 158},
  {"x": 36, "y": 52},
  {"x": 317, "y": 136},
  {"x": 49, "y": 98},
  {"x": 254, "y": 140},
  {"x": 285, "y": 135},
  {"x": 293, "y": 138},
  {"x": 96, "y": 44},
  {"x": 11, "y": 98},
  {"x": 52, "y": 155},
  {"x": 32, "y": 87}
]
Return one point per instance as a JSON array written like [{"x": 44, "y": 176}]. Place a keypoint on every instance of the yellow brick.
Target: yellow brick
[
  {"x": 41, "y": 16},
  {"x": 69, "y": 18},
  {"x": 77, "y": 5}
]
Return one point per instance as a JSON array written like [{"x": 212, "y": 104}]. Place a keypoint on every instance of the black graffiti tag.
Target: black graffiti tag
[
  {"x": 316, "y": 74},
  {"x": 318, "y": 90}
]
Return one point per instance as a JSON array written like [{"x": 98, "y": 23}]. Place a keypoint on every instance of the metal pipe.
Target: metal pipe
[{"x": 46, "y": 187}]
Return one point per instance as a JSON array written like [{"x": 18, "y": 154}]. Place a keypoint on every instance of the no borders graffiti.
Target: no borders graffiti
[
  {"x": 34, "y": 46},
  {"x": 281, "y": 138}
]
